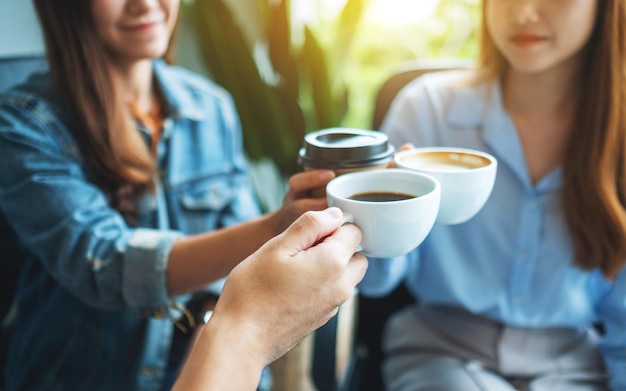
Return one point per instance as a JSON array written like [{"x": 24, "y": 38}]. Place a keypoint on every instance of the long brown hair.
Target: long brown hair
[
  {"x": 118, "y": 158},
  {"x": 594, "y": 168}
]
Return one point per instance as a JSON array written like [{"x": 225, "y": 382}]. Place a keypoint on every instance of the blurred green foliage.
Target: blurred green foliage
[
  {"x": 326, "y": 78},
  {"x": 274, "y": 120},
  {"x": 379, "y": 50}
]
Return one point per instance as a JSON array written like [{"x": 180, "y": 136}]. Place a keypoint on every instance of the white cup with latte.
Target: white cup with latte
[{"x": 466, "y": 177}]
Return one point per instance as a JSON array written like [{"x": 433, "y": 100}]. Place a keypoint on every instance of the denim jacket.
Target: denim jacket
[{"x": 93, "y": 312}]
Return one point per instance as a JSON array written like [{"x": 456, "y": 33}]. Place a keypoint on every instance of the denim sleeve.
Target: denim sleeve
[
  {"x": 65, "y": 221},
  {"x": 613, "y": 315}
]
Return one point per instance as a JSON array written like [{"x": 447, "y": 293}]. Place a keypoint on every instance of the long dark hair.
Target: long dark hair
[
  {"x": 117, "y": 157},
  {"x": 594, "y": 190}
]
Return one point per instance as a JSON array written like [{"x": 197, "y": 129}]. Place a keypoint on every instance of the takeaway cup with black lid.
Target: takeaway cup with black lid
[{"x": 345, "y": 150}]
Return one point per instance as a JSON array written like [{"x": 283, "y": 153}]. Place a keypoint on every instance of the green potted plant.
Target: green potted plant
[{"x": 303, "y": 93}]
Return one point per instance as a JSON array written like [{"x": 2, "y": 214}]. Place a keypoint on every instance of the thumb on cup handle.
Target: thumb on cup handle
[{"x": 348, "y": 218}]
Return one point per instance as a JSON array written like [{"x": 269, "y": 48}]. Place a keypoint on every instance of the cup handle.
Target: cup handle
[{"x": 349, "y": 219}]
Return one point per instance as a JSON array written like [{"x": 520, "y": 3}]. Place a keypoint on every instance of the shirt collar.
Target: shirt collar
[
  {"x": 466, "y": 110},
  {"x": 481, "y": 106},
  {"x": 178, "y": 99}
]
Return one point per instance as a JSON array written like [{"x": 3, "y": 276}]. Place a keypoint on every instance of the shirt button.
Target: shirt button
[{"x": 526, "y": 255}]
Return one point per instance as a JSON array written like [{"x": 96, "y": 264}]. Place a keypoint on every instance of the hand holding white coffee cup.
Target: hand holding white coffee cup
[
  {"x": 466, "y": 177},
  {"x": 394, "y": 208}
]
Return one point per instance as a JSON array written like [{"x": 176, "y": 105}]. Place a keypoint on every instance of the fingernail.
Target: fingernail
[{"x": 327, "y": 175}]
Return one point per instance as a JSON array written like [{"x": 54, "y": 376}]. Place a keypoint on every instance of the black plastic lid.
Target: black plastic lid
[{"x": 340, "y": 148}]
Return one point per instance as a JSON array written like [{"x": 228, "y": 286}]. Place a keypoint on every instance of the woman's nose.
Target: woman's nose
[
  {"x": 526, "y": 12},
  {"x": 142, "y": 5}
]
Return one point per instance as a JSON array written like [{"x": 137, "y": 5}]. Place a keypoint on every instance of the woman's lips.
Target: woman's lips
[
  {"x": 525, "y": 40},
  {"x": 143, "y": 27}
]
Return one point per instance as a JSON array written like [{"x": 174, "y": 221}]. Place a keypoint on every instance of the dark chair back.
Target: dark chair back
[
  {"x": 14, "y": 70},
  {"x": 403, "y": 75}
]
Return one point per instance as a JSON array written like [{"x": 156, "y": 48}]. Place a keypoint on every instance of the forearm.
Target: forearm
[
  {"x": 200, "y": 259},
  {"x": 272, "y": 300},
  {"x": 224, "y": 357}
]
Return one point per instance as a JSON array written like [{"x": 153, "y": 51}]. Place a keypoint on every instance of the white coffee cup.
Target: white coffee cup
[
  {"x": 466, "y": 177},
  {"x": 390, "y": 228}
]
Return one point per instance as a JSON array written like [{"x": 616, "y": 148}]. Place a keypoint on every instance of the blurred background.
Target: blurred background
[{"x": 294, "y": 66}]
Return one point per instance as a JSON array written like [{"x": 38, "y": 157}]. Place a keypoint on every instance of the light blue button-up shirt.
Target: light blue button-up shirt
[
  {"x": 512, "y": 262},
  {"x": 93, "y": 311}
]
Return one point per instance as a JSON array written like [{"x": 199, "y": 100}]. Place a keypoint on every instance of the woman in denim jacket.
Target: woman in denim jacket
[{"x": 124, "y": 179}]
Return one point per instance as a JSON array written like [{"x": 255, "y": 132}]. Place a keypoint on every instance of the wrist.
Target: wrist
[
  {"x": 220, "y": 360},
  {"x": 243, "y": 347},
  {"x": 274, "y": 223}
]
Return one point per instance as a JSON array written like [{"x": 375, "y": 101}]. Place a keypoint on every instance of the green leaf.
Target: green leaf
[
  {"x": 265, "y": 124},
  {"x": 314, "y": 60},
  {"x": 281, "y": 56},
  {"x": 348, "y": 24}
]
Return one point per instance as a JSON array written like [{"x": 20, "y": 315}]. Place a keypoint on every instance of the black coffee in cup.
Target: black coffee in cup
[{"x": 381, "y": 196}]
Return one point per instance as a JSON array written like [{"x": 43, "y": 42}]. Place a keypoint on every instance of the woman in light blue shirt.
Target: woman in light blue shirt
[
  {"x": 508, "y": 299},
  {"x": 125, "y": 181}
]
